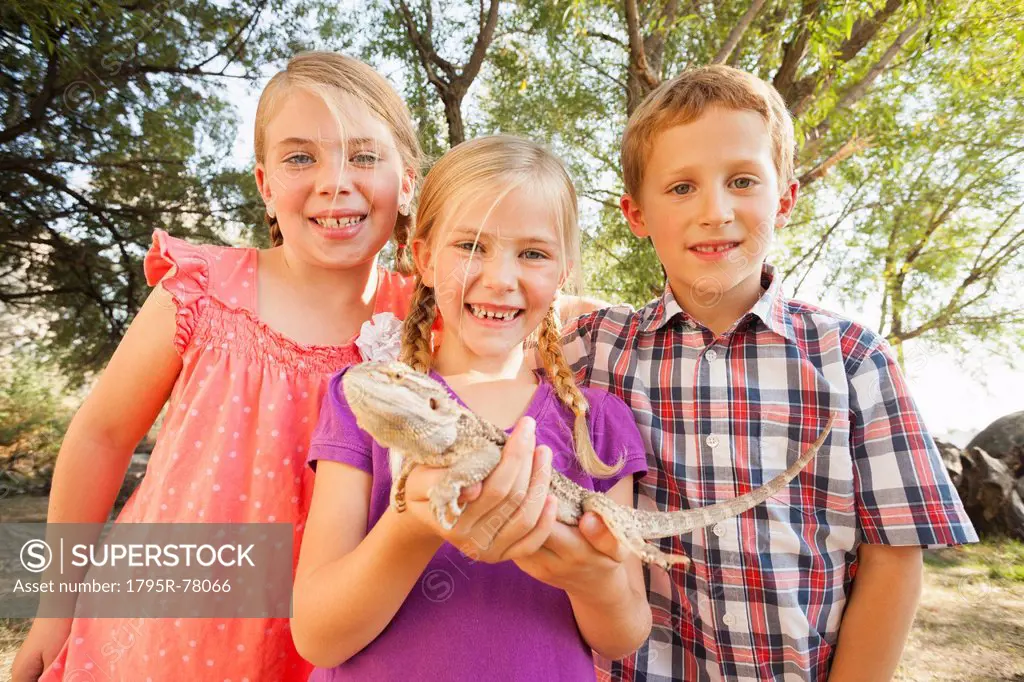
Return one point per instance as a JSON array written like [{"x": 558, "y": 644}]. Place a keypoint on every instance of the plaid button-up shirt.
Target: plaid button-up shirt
[{"x": 722, "y": 415}]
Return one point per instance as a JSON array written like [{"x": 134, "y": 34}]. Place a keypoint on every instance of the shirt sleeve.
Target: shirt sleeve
[
  {"x": 183, "y": 270},
  {"x": 904, "y": 495},
  {"x": 577, "y": 346},
  {"x": 615, "y": 436},
  {"x": 337, "y": 437}
]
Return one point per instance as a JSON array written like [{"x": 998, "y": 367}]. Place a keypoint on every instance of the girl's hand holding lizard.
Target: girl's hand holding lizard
[
  {"x": 580, "y": 560},
  {"x": 506, "y": 517}
]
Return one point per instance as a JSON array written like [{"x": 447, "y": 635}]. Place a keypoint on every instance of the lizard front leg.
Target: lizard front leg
[
  {"x": 468, "y": 469},
  {"x": 622, "y": 525},
  {"x": 400, "y": 468}
]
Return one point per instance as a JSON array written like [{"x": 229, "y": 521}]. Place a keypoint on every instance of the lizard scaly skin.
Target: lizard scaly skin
[{"x": 414, "y": 416}]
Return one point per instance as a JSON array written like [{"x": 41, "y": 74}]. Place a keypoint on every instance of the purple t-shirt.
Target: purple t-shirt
[{"x": 467, "y": 620}]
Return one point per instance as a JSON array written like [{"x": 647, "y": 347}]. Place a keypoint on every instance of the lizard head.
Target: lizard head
[{"x": 400, "y": 407}]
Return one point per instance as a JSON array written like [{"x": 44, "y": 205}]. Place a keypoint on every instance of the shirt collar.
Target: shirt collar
[{"x": 770, "y": 308}]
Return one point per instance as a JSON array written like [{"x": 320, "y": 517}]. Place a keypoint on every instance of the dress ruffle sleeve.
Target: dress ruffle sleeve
[{"x": 184, "y": 271}]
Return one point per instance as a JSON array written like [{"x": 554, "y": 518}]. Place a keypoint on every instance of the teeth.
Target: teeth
[
  {"x": 484, "y": 314},
  {"x": 714, "y": 249},
  {"x": 339, "y": 222}
]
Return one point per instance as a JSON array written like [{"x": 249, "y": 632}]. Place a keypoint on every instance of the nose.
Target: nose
[
  {"x": 500, "y": 270},
  {"x": 334, "y": 176},
  {"x": 715, "y": 208}
]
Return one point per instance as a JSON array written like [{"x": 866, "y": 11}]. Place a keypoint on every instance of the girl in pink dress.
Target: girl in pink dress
[{"x": 240, "y": 343}]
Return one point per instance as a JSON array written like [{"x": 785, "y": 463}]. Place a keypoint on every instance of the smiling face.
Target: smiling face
[
  {"x": 335, "y": 179},
  {"x": 710, "y": 201},
  {"x": 495, "y": 269}
]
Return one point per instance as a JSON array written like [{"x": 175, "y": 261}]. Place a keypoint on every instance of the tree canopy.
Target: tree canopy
[
  {"x": 114, "y": 124},
  {"x": 908, "y": 114}
]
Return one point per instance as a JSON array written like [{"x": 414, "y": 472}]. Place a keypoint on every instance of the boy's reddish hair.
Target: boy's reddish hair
[{"x": 686, "y": 97}]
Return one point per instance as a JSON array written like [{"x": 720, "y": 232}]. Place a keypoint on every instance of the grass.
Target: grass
[{"x": 999, "y": 559}]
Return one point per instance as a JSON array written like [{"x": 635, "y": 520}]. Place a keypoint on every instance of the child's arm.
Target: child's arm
[
  {"x": 117, "y": 414},
  {"x": 99, "y": 443},
  {"x": 879, "y": 614},
  {"x": 348, "y": 587},
  {"x": 604, "y": 582}
]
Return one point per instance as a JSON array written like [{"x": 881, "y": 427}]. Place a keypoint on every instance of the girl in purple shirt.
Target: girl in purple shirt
[{"x": 507, "y": 593}]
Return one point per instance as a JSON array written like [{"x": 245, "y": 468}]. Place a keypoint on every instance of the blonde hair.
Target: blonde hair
[
  {"x": 686, "y": 97},
  {"x": 494, "y": 167},
  {"x": 330, "y": 75}
]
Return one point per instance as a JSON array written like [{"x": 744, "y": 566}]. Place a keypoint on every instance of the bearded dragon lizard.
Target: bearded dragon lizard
[{"x": 414, "y": 416}]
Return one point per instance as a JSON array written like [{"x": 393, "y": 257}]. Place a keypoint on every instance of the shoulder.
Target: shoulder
[
  {"x": 857, "y": 341},
  {"x": 337, "y": 421},
  {"x": 171, "y": 257},
  {"x": 612, "y": 319}
]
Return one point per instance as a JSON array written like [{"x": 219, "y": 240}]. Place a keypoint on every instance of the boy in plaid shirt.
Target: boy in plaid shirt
[{"x": 729, "y": 381}]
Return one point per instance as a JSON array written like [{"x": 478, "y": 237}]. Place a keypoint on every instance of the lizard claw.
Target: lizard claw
[
  {"x": 446, "y": 508},
  {"x": 456, "y": 508}
]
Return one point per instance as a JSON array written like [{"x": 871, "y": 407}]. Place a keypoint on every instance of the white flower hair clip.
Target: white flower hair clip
[{"x": 380, "y": 338}]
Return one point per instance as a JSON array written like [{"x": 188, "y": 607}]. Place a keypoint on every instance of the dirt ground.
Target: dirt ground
[{"x": 969, "y": 627}]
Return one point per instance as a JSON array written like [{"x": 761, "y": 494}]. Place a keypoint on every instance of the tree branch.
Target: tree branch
[
  {"x": 483, "y": 41},
  {"x": 637, "y": 56},
  {"x": 855, "y": 92},
  {"x": 852, "y": 146},
  {"x": 40, "y": 103},
  {"x": 795, "y": 50},
  {"x": 736, "y": 34}
]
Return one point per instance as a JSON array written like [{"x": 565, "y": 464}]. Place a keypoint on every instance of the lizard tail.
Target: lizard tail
[{"x": 668, "y": 524}]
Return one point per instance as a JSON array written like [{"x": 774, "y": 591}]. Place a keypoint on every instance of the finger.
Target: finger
[
  {"x": 525, "y": 517},
  {"x": 471, "y": 493},
  {"x": 421, "y": 480},
  {"x": 565, "y": 542},
  {"x": 593, "y": 528},
  {"x": 534, "y": 540}
]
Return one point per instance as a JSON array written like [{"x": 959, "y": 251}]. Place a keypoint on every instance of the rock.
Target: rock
[
  {"x": 951, "y": 455},
  {"x": 1004, "y": 440},
  {"x": 1015, "y": 514},
  {"x": 987, "y": 489}
]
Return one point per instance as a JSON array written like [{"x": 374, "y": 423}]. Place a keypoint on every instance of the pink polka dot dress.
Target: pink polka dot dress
[{"x": 232, "y": 449}]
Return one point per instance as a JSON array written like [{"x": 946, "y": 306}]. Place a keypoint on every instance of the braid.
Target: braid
[
  {"x": 416, "y": 335},
  {"x": 403, "y": 259},
  {"x": 550, "y": 346},
  {"x": 276, "y": 238}
]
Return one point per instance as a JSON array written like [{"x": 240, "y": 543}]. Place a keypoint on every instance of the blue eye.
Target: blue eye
[
  {"x": 300, "y": 159},
  {"x": 744, "y": 183},
  {"x": 365, "y": 159},
  {"x": 472, "y": 247},
  {"x": 682, "y": 189},
  {"x": 534, "y": 254}
]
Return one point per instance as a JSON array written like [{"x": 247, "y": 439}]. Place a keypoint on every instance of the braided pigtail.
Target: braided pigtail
[
  {"x": 561, "y": 377},
  {"x": 403, "y": 257},
  {"x": 276, "y": 238},
  {"x": 417, "y": 351}
]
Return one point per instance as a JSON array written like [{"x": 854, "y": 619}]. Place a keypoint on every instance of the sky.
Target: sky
[{"x": 958, "y": 396}]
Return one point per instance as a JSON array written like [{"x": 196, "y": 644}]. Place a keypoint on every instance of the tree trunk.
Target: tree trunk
[{"x": 453, "y": 115}]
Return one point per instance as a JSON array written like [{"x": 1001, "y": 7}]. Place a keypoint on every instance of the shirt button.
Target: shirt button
[
  {"x": 718, "y": 530},
  {"x": 729, "y": 620},
  {"x": 712, "y": 441},
  {"x": 711, "y": 355}
]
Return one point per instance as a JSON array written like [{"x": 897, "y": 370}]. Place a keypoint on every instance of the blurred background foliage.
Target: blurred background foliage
[{"x": 116, "y": 120}]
